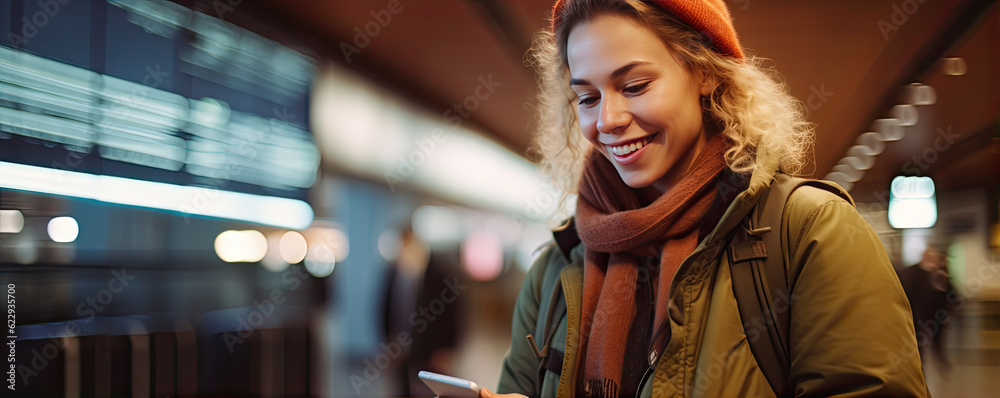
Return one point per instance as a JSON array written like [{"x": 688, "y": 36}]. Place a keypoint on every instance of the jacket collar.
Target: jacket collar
[
  {"x": 566, "y": 238},
  {"x": 765, "y": 170}
]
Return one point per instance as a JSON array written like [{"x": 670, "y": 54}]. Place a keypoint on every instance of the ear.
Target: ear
[{"x": 707, "y": 81}]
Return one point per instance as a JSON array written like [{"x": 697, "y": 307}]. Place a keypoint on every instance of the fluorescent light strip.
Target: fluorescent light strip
[
  {"x": 267, "y": 210},
  {"x": 368, "y": 131}
]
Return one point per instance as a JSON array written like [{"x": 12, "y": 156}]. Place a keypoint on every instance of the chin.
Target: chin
[{"x": 637, "y": 182}]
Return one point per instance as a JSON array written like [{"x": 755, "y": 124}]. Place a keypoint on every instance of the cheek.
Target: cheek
[
  {"x": 682, "y": 115},
  {"x": 588, "y": 125}
]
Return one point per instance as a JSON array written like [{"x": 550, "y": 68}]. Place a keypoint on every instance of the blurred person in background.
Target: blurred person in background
[
  {"x": 403, "y": 280},
  {"x": 417, "y": 279},
  {"x": 670, "y": 135},
  {"x": 928, "y": 288}
]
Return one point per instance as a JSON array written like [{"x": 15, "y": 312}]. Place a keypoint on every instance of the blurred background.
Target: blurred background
[{"x": 320, "y": 198}]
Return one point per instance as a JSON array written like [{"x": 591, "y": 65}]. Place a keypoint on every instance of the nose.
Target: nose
[{"x": 614, "y": 115}]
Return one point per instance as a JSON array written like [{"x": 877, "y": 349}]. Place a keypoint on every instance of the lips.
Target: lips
[
  {"x": 628, "y": 151},
  {"x": 625, "y": 149}
]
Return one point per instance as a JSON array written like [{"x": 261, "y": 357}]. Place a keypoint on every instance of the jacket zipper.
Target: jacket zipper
[
  {"x": 642, "y": 381},
  {"x": 653, "y": 355}
]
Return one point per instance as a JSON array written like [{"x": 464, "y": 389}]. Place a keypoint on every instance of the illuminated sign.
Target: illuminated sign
[
  {"x": 912, "y": 203},
  {"x": 166, "y": 108},
  {"x": 133, "y": 123}
]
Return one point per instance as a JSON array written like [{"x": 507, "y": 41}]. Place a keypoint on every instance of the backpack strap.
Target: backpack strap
[
  {"x": 550, "y": 358},
  {"x": 760, "y": 279}
]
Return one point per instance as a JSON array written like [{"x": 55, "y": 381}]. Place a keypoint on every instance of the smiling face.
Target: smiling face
[{"x": 637, "y": 104}]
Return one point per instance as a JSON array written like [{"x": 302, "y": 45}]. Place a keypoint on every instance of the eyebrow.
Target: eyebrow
[{"x": 614, "y": 75}]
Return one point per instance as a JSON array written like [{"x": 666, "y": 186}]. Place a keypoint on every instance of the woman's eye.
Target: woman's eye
[
  {"x": 588, "y": 100},
  {"x": 635, "y": 89}
]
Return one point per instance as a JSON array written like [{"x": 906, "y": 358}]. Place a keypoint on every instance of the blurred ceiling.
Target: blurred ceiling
[{"x": 846, "y": 60}]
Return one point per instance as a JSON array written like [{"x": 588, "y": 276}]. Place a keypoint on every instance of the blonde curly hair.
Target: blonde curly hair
[{"x": 749, "y": 104}]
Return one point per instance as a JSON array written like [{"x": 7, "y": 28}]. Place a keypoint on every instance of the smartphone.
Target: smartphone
[{"x": 447, "y": 386}]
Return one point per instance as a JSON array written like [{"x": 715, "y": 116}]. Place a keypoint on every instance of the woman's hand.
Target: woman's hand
[{"x": 486, "y": 393}]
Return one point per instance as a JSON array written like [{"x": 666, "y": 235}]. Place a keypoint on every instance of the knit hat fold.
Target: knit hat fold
[{"x": 710, "y": 18}]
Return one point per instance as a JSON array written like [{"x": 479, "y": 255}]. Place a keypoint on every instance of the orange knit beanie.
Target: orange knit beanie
[{"x": 710, "y": 18}]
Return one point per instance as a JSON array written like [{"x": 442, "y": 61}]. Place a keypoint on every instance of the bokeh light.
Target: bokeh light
[
  {"x": 11, "y": 221},
  {"x": 63, "y": 229},
  {"x": 292, "y": 247},
  {"x": 482, "y": 256},
  {"x": 248, "y": 246}
]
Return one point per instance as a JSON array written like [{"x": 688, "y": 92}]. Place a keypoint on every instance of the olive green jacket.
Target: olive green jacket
[{"x": 851, "y": 332}]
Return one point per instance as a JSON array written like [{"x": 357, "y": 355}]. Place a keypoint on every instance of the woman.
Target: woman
[{"x": 681, "y": 135}]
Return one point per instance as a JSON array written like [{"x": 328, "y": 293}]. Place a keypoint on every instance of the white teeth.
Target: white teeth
[{"x": 629, "y": 148}]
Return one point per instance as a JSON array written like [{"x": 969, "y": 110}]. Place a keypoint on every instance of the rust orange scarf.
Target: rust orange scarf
[{"x": 618, "y": 234}]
